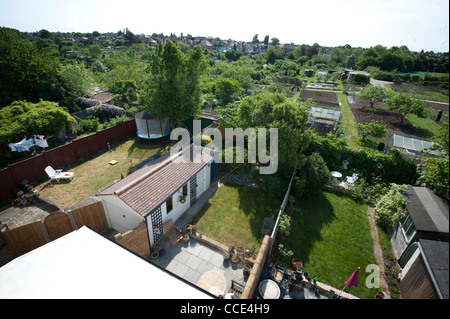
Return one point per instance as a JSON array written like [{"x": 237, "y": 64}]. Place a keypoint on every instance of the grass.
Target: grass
[
  {"x": 428, "y": 127},
  {"x": 96, "y": 172},
  {"x": 332, "y": 237},
  {"x": 235, "y": 214},
  {"x": 348, "y": 122}
]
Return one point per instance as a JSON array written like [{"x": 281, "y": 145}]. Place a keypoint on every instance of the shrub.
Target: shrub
[
  {"x": 88, "y": 125},
  {"x": 390, "y": 209}
]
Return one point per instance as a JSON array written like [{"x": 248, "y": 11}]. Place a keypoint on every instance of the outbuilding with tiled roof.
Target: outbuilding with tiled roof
[{"x": 161, "y": 190}]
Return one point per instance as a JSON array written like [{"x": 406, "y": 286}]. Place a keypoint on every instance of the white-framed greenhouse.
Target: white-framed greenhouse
[{"x": 410, "y": 145}]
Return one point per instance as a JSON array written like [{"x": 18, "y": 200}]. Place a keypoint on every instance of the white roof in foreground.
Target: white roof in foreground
[{"x": 86, "y": 265}]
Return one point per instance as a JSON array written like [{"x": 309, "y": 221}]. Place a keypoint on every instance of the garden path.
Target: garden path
[{"x": 377, "y": 251}]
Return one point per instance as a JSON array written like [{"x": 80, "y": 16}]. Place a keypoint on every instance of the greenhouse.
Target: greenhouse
[
  {"x": 409, "y": 145},
  {"x": 323, "y": 120}
]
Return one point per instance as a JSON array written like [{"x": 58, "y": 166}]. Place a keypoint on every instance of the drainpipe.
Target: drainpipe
[{"x": 430, "y": 272}]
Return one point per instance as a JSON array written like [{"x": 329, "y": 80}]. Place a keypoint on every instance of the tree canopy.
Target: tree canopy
[
  {"x": 404, "y": 105},
  {"x": 273, "y": 110},
  {"x": 173, "y": 89}
]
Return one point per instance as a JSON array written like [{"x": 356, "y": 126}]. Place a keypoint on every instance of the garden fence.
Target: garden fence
[{"x": 25, "y": 238}]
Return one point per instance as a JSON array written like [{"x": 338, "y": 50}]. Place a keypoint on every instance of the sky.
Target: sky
[{"x": 418, "y": 24}]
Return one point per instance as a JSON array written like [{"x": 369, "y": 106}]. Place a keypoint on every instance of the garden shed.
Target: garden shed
[
  {"x": 427, "y": 218},
  {"x": 410, "y": 145},
  {"x": 425, "y": 276},
  {"x": 323, "y": 120},
  {"x": 161, "y": 190}
]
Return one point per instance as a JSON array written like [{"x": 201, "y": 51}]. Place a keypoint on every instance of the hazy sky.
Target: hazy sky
[{"x": 418, "y": 24}]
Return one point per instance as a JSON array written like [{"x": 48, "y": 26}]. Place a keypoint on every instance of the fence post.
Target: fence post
[
  {"x": 43, "y": 230},
  {"x": 72, "y": 219}
]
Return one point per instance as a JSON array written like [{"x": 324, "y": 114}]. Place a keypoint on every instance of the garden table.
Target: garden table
[{"x": 269, "y": 289}]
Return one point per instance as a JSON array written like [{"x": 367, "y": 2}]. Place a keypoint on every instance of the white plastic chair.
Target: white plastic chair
[
  {"x": 351, "y": 179},
  {"x": 58, "y": 174}
]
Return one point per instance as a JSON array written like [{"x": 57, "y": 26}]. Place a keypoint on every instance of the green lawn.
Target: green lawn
[
  {"x": 93, "y": 173},
  {"x": 235, "y": 215},
  {"x": 332, "y": 238},
  {"x": 331, "y": 235}
]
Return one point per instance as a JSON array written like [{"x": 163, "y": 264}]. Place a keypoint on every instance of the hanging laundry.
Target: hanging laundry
[
  {"x": 41, "y": 143},
  {"x": 22, "y": 146}
]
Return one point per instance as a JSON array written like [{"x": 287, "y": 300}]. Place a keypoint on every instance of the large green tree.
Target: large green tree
[
  {"x": 274, "y": 110},
  {"x": 404, "y": 105},
  {"x": 373, "y": 94},
  {"x": 25, "y": 73},
  {"x": 173, "y": 87}
]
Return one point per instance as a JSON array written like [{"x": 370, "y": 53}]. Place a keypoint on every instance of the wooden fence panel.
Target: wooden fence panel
[
  {"x": 57, "y": 225},
  {"x": 25, "y": 238},
  {"x": 89, "y": 215}
]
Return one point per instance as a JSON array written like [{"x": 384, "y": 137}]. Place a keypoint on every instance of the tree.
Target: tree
[
  {"x": 373, "y": 128},
  {"x": 274, "y": 110},
  {"x": 226, "y": 89},
  {"x": 173, "y": 87},
  {"x": 434, "y": 172},
  {"x": 266, "y": 40},
  {"x": 22, "y": 119},
  {"x": 275, "y": 41},
  {"x": 373, "y": 94},
  {"x": 404, "y": 105},
  {"x": 75, "y": 80},
  {"x": 316, "y": 174},
  {"x": 255, "y": 39},
  {"x": 26, "y": 73}
]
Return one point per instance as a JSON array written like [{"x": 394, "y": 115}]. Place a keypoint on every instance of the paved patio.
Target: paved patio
[{"x": 191, "y": 260}]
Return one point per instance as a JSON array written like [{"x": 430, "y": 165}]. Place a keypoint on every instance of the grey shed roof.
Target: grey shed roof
[
  {"x": 436, "y": 255},
  {"x": 428, "y": 211}
]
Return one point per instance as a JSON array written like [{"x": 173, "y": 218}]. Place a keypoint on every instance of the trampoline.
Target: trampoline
[{"x": 150, "y": 128}]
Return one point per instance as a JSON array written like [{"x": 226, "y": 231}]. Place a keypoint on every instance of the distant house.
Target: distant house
[
  {"x": 152, "y": 193},
  {"x": 205, "y": 44}
]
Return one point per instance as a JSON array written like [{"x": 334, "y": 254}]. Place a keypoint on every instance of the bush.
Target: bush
[
  {"x": 88, "y": 125},
  {"x": 390, "y": 209}
]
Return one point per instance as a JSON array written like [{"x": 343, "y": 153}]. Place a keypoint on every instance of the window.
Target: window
[
  {"x": 408, "y": 227},
  {"x": 169, "y": 204},
  {"x": 185, "y": 190}
]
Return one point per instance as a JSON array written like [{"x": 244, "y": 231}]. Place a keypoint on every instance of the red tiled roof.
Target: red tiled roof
[{"x": 148, "y": 187}]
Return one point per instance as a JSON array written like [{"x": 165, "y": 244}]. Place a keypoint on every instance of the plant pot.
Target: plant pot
[
  {"x": 154, "y": 255},
  {"x": 186, "y": 238},
  {"x": 240, "y": 251},
  {"x": 380, "y": 295},
  {"x": 226, "y": 257},
  {"x": 235, "y": 259},
  {"x": 296, "y": 264},
  {"x": 157, "y": 247},
  {"x": 247, "y": 269}
]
